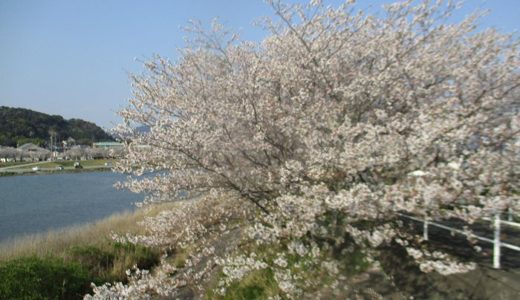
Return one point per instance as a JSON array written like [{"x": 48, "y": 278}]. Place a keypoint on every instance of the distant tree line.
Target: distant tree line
[{"x": 19, "y": 126}]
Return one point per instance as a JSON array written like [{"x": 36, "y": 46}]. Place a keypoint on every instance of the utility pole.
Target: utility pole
[
  {"x": 52, "y": 135},
  {"x": 51, "y": 146}
]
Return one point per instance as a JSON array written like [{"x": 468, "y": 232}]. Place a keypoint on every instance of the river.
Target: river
[{"x": 38, "y": 203}]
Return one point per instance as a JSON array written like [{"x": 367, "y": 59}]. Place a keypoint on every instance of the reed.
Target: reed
[{"x": 59, "y": 242}]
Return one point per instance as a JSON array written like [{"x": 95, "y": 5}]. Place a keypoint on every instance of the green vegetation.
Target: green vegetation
[
  {"x": 259, "y": 284},
  {"x": 43, "y": 278},
  {"x": 62, "y": 264},
  {"x": 7, "y": 174},
  {"x": 58, "y": 278},
  {"x": 309, "y": 272},
  {"x": 181, "y": 256},
  {"x": 87, "y": 163},
  {"x": 69, "y": 164},
  {"x": 56, "y": 166},
  {"x": 60, "y": 242},
  {"x": 12, "y": 163},
  {"x": 19, "y": 126},
  {"x": 109, "y": 264}
]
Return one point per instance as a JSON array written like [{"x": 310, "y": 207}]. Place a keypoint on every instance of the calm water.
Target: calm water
[{"x": 37, "y": 203}]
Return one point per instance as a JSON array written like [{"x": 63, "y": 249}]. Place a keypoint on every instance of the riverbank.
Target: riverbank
[
  {"x": 63, "y": 263},
  {"x": 87, "y": 254},
  {"x": 56, "y": 167},
  {"x": 56, "y": 242}
]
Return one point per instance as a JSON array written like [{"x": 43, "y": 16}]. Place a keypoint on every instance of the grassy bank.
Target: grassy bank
[
  {"x": 55, "y": 167},
  {"x": 62, "y": 264},
  {"x": 56, "y": 242}
]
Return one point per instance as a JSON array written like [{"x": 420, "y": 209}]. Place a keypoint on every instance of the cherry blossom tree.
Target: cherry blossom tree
[
  {"x": 337, "y": 113},
  {"x": 76, "y": 153},
  {"x": 97, "y": 153},
  {"x": 8, "y": 153}
]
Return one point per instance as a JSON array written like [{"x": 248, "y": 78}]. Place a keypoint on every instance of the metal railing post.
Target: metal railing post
[
  {"x": 425, "y": 229},
  {"x": 496, "y": 242},
  {"x": 509, "y": 214}
]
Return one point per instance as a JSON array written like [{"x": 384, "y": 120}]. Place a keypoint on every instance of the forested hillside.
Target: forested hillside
[{"x": 19, "y": 126}]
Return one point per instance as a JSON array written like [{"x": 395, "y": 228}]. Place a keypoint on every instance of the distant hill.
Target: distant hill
[{"x": 19, "y": 126}]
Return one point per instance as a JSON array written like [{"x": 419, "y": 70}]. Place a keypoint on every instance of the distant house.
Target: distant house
[{"x": 108, "y": 145}]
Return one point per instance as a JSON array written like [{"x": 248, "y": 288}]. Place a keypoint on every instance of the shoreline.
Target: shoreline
[
  {"x": 71, "y": 258},
  {"x": 54, "y": 172},
  {"x": 55, "y": 241},
  {"x": 50, "y": 167},
  {"x": 60, "y": 232}
]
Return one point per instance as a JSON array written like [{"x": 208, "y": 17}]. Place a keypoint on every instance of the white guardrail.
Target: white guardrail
[{"x": 497, "y": 243}]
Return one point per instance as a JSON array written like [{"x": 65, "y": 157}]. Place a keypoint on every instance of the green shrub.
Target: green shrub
[
  {"x": 259, "y": 284},
  {"x": 108, "y": 265},
  {"x": 143, "y": 257},
  {"x": 70, "y": 278},
  {"x": 95, "y": 260},
  {"x": 42, "y": 278}
]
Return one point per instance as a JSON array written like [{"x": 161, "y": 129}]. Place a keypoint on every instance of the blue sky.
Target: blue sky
[{"x": 72, "y": 58}]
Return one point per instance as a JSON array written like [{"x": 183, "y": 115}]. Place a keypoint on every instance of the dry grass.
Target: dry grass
[{"x": 58, "y": 242}]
